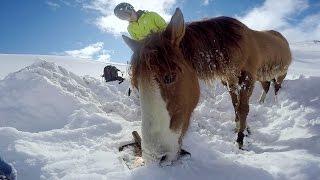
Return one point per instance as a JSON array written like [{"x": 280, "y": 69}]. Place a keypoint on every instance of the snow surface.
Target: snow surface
[
  {"x": 14, "y": 62},
  {"x": 55, "y": 124}
]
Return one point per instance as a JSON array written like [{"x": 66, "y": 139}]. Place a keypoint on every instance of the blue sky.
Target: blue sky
[{"x": 84, "y": 28}]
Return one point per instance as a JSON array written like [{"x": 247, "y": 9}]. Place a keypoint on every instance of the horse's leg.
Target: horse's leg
[
  {"x": 234, "y": 92},
  {"x": 265, "y": 86},
  {"x": 277, "y": 83},
  {"x": 235, "y": 102},
  {"x": 246, "y": 82}
]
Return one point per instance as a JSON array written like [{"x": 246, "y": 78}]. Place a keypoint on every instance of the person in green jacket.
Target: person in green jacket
[{"x": 141, "y": 23}]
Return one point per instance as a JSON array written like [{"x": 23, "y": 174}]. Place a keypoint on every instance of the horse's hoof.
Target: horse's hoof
[{"x": 240, "y": 139}]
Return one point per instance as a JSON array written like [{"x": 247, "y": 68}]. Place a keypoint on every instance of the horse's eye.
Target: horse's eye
[
  {"x": 169, "y": 78},
  {"x": 156, "y": 79}
]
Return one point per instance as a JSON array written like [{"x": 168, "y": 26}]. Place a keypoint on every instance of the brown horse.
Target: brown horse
[{"x": 166, "y": 66}]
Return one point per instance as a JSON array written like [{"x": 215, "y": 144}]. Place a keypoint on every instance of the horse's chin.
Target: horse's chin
[{"x": 151, "y": 158}]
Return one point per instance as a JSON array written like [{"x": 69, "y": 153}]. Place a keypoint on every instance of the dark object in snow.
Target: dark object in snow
[
  {"x": 184, "y": 153},
  {"x": 136, "y": 137},
  {"x": 110, "y": 73},
  {"x": 129, "y": 92},
  {"x": 136, "y": 144},
  {"x": 7, "y": 172}
]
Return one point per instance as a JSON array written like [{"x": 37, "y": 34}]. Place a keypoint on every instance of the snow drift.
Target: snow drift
[{"x": 14, "y": 62}]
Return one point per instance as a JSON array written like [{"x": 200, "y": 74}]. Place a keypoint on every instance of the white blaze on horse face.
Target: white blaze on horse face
[{"x": 157, "y": 137}]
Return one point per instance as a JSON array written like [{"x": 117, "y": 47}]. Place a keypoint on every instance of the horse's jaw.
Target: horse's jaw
[{"x": 158, "y": 140}]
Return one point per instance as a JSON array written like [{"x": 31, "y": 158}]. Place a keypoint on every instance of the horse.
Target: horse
[{"x": 166, "y": 68}]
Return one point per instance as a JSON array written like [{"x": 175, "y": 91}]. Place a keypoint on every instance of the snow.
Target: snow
[
  {"x": 14, "y": 62},
  {"x": 58, "y": 124},
  {"x": 306, "y": 58}
]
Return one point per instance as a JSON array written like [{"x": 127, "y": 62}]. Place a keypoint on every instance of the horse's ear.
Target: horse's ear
[
  {"x": 176, "y": 28},
  {"x": 133, "y": 44}
]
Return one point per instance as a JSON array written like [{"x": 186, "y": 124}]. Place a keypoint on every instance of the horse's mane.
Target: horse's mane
[
  {"x": 205, "y": 42},
  {"x": 210, "y": 44},
  {"x": 152, "y": 57}
]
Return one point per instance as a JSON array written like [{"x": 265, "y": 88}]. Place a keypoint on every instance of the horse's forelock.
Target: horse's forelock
[{"x": 156, "y": 56}]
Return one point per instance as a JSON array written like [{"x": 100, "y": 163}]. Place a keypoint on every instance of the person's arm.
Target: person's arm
[
  {"x": 132, "y": 33},
  {"x": 159, "y": 21}
]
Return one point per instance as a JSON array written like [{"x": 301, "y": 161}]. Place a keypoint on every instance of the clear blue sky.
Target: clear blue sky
[{"x": 34, "y": 27}]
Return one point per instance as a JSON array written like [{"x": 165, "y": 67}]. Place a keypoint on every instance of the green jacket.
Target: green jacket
[{"x": 147, "y": 23}]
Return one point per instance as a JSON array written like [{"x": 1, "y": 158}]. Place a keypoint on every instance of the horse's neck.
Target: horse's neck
[{"x": 205, "y": 60}]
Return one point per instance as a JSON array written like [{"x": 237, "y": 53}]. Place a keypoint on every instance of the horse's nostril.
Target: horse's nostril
[{"x": 163, "y": 158}]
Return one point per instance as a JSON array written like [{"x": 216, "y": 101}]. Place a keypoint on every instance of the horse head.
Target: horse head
[{"x": 168, "y": 88}]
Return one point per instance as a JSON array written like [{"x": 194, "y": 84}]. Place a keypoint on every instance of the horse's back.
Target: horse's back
[
  {"x": 273, "y": 53},
  {"x": 276, "y": 33},
  {"x": 272, "y": 42}
]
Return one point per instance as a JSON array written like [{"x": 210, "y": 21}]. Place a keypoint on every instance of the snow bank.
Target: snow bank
[
  {"x": 14, "y": 62},
  {"x": 53, "y": 123},
  {"x": 57, "y": 125}
]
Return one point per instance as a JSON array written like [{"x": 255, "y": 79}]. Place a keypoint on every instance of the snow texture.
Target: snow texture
[
  {"x": 14, "y": 62},
  {"x": 55, "y": 124}
]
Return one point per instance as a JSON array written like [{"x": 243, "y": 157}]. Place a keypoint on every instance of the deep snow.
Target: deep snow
[
  {"x": 57, "y": 125},
  {"x": 14, "y": 62}
]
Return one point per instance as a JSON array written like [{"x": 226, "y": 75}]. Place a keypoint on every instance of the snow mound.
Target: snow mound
[
  {"x": 57, "y": 125},
  {"x": 15, "y": 62},
  {"x": 51, "y": 118},
  {"x": 44, "y": 95}
]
